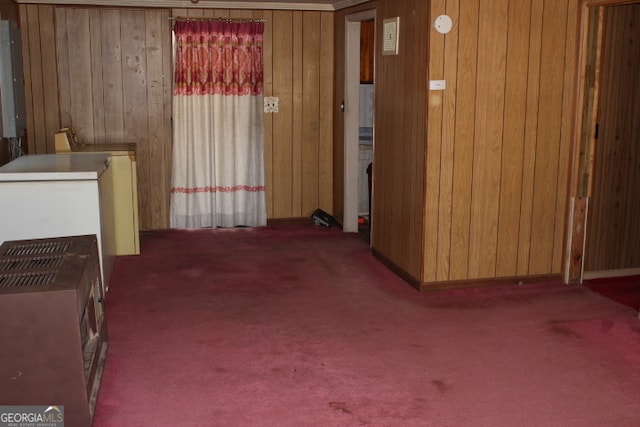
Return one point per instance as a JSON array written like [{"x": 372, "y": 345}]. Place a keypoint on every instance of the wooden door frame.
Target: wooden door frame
[
  {"x": 591, "y": 19},
  {"x": 351, "y": 116}
]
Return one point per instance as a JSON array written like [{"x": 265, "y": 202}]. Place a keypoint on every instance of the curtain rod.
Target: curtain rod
[{"x": 195, "y": 18}]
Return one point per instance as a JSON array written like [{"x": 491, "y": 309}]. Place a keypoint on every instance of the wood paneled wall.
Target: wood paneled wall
[
  {"x": 613, "y": 225},
  {"x": 400, "y": 133},
  {"x": 107, "y": 72},
  {"x": 401, "y": 137},
  {"x": 499, "y": 139},
  {"x": 8, "y": 11},
  {"x": 114, "y": 73},
  {"x": 469, "y": 183},
  {"x": 475, "y": 186},
  {"x": 301, "y": 134},
  {"x": 37, "y": 29}
]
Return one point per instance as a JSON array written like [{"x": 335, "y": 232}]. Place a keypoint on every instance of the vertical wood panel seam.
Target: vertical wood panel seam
[
  {"x": 453, "y": 135},
  {"x": 453, "y": 130},
  {"x": 524, "y": 140},
  {"x": 123, "y": 63},
  {"x": 473, "y": 148},
  {"x": 559, "y": 202},
  {"x": 437, "y": 199},
  {"x": 37, "y": 42},
  {"x": 55, "y": 56},
  {"x": 528, "y": 260},
  {"x": 317, "y": 130},
  {"x": 558, "y": 156},
  {"x": 24, "y": 27},
  {"x": 496, "y": 238},
  {"x": 298, "y": 163},
  {"x": 504, "y": 125},
  {"x": 41, "y": 45},
  {"x": 537, "y": 140},
  {"x": 100, "y": 45}
]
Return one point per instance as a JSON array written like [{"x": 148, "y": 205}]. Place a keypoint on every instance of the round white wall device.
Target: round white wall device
[{"x": 442, "y": 24}]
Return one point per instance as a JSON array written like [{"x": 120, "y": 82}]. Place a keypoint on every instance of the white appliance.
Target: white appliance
[
  {"x": 59, "y": 195},
  {"x": 125, "y": 185}
]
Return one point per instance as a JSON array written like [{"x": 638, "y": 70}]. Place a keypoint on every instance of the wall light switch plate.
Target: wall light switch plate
[{"x": 271, "y": 104}]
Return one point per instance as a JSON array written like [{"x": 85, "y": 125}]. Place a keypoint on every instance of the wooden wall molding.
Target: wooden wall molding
[{"x": 200, "y": 4}]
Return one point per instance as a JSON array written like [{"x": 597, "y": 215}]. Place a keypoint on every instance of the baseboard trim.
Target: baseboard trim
[
  {"x": 604, "y": 274},
  {"x": 289, "y": 221},
  {"x": 469, "y": 283},
  {"x": 404, "y": 275},
  {"x": 496, "y": 281}
]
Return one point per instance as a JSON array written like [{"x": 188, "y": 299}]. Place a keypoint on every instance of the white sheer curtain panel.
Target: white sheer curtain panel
[{"x": 218, "y": 132}]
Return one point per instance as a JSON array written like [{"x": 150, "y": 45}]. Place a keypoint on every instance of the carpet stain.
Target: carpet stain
[
  {"x": 480, "y": 298},
  {"x": 340, "y": 407},
  {"x": 560, "y": 329},
  {"x": 442, "y": 386},
  {"x": 193, "y": 272},
  {"x": 327, "y": 268},
  {"x": 607, "y": 325}
]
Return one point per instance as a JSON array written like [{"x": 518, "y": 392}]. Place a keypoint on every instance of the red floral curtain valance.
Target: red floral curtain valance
[{"x": 218, "y": 58}]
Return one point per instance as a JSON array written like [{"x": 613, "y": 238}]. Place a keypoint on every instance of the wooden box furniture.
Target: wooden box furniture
[{"x": 52, "y": 325}]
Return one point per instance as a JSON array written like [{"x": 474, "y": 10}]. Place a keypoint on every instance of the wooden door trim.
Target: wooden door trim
[{"x": 591, "y": 17}]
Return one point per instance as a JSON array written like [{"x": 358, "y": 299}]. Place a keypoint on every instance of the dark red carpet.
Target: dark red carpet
[
  {"x": 625, "y": 290},
  {"x": 301, "y": 326}
]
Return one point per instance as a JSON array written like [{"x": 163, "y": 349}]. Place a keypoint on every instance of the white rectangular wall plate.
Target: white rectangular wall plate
[
  {"x": 390, "y": 36},
  {"x": 437, "y": 84}
]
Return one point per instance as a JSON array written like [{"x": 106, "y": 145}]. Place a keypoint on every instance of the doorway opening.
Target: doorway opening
[
  {"x": 604, "y": 232},
  {"x": 613, "y": 230},
  {"x": 359, "y": 126}
]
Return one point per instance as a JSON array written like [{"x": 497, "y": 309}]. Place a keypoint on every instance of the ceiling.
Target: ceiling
[{"x": 329, "y": 5}]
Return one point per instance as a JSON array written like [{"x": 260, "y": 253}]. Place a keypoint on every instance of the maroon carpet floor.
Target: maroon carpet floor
[
  {"x": 625, "y": 290},
  {"x": 301, "y": 326}
]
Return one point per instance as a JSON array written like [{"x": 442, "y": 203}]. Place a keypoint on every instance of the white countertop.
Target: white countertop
[{"x": 55, "y": 167}]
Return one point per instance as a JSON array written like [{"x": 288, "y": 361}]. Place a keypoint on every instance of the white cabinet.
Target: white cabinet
[
  {"x": 59, "y": 195},
  {"x": 125, "y": 203},
  {"x": 125, "y": 184}
]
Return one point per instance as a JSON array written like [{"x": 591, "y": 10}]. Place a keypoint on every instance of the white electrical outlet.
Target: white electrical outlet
[{"x": 271, "y": 104}]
